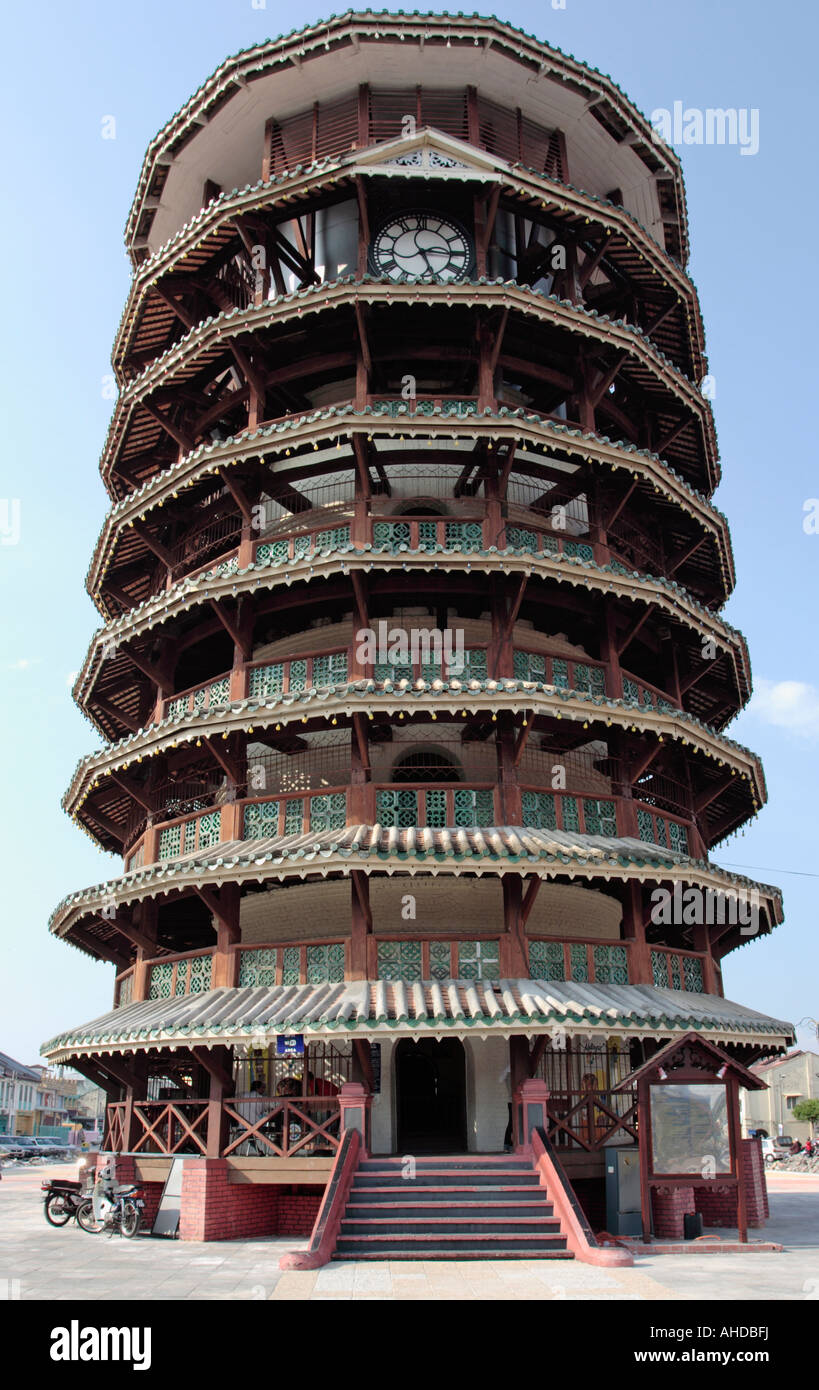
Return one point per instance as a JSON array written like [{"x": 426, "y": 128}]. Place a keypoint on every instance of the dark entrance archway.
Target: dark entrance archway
[{"x": 430, "y": 1080}]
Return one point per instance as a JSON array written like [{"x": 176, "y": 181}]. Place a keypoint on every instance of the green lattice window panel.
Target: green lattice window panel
[
  {"x": 200, "y": 974},
  {"x": 463, "y": 535},
  {"x": 333, "y": 539},
  {"x": 474, "y": 807},
  {"x": 659, "y": 969},
  {"x": 611, "y": 965},
  {"x": 330, "y": 670},
  {"x": 560, "y": 673},
  {"x": 267, "y": 680},
  {"x": 391, "y": 535},
  {"x": 529, "y": 666},
  {"x": 298, "y": 675},
  {"x": 475, "y": 666},
  {"x": 455, "y": 405},
  {"x": 181, "y": 977},
  {"x": 427, "y": 535},
  {"x": 301, "y": 546},
  {"x": 272, "y": 552},
  {"x": 546, "y": 960},
  {"x": 591, "y": 680},
  {"x": 676, "y": 975},
  {"x": 440, "y": 960},
  {"x": 257, "y": 967},
  {"x": 539, "y": 811},
  {"x": 137, "y": 859},
  {"x": 219, "y": 692},
  {"x": 678, "y": 837},
  {"x": 260, "y": 820},
  {"x": 161, "y": 981},
  {"x": 478, "y": 960},
  {"x": 518, "y": 538},
  {"x": 578, "y": 963},
  {"x": 631, "y": 691},
  {"x": 692, "y": 975},
  {"x": 579, "y": 549},
  {"x": 571, "y": 813},
  {"x": 294, "y": 816},
  {"x": 399, "y": 960},
  {"x": 291, "y": 965},
  {"x": 599, "y": 817},
  {"x": 397, "y": 808},
  {"x": 325, "y": 964},
  {"x": 170, "y": 841},
  {"x": 210, "y": 830},
  {"x": 435, "y": 809},
  {"x": 328, "y": 812},
  {"x": 392, "y": 671}
]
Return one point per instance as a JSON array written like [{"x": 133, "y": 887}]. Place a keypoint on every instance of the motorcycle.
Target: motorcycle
[
  {"x": 62, "y": 1200},
  {"x": 112, "y": 1207}
]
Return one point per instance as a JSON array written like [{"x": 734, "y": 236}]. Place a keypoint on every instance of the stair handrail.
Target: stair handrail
[
  {"x": 580, "y": 1238},
  {"x": 324, "y": 1234}
]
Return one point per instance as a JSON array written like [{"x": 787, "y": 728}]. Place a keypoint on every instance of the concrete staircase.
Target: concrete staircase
[{"x": 462, "y": 1207}]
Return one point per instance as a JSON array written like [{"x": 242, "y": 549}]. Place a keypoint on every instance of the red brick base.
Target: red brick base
[
  {"x": 213, "y": 1208},
  {"x": 716, "y": 1203},
  {"x": 670, "y": 1206}
]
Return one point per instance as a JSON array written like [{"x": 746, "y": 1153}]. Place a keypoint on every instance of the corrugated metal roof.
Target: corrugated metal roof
[
  {"x": 357, "y": 846},
  {"x": 389, "y": 1007},
  {"x": 8, "y": 1067}
]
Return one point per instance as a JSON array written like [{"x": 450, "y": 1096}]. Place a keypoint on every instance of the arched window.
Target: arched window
[{"x": 426, "y": 765}]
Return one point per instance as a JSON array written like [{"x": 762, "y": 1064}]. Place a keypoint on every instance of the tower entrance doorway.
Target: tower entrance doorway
[{"x": 430, "y": 1078}]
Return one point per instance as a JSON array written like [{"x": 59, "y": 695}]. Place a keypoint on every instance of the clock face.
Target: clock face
[{"x": 421, "y": 246}]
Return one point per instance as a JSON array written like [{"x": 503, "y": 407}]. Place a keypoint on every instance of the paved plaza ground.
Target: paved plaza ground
[{"x": 38, "y": 1261}]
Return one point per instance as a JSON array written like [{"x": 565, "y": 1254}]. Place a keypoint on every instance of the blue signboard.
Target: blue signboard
[{"x": 290, "y": 1045}]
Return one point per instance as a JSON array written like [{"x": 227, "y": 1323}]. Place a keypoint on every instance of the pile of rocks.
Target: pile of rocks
[{"x": 798, "y": 1163}]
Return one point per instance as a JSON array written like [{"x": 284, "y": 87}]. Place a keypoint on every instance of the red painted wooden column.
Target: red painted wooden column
[{"x": 634, "y": 931}]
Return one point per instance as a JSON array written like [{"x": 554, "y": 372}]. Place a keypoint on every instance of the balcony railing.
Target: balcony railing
[
  {"x": 263, "y": 1126},
  {"x": 399, "y": 957},
  {"x": 675, "y": 969},
  {"x": 587, "y": 962},
  {"x": 431, "y": 803}
]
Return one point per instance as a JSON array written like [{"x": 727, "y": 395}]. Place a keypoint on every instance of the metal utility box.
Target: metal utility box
[{"x": 623, "y": 1216}]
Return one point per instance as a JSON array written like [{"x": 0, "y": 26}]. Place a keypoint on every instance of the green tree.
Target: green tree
[{"x": 806, "y": 1110}]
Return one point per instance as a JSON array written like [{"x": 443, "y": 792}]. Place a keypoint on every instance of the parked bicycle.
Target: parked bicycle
[{"x": 113, "y": 1207}]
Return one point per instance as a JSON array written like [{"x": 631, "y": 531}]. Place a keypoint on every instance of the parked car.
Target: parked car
[
  {"x": 50, "y": 1147},
  {"x": 772, "y": 1153},
  {"x": 20, "y": 1146}
]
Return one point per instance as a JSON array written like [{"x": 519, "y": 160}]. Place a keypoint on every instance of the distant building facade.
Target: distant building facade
[{"x": 789, "y": 1079}]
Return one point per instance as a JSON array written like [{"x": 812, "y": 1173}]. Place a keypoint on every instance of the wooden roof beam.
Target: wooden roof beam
[
  {"x": 634, "y": 629},
  {"x": 237, "y": 493},
  {"x": 240, "y": 639},
  {"x": 182, "y": 439},
  {"x": 154, "y": 544},
  {"x": 154, "y": 673},
  {"x": 132, "y": 789},
  {"x": 97, "y": 948}
]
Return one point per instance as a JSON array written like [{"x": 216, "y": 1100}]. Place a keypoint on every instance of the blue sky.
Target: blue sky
[{"x": 67, "y": 194}]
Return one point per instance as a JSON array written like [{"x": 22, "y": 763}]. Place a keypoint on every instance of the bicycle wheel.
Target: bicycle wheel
[
  {"x": 131, "y": 1219},
  {"x": 56, "y": 1211},
  {"x": 86, "y": 1218}
]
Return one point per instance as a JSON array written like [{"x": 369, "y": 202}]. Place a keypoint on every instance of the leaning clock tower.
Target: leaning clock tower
[{"x": 411, "y": 680}]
